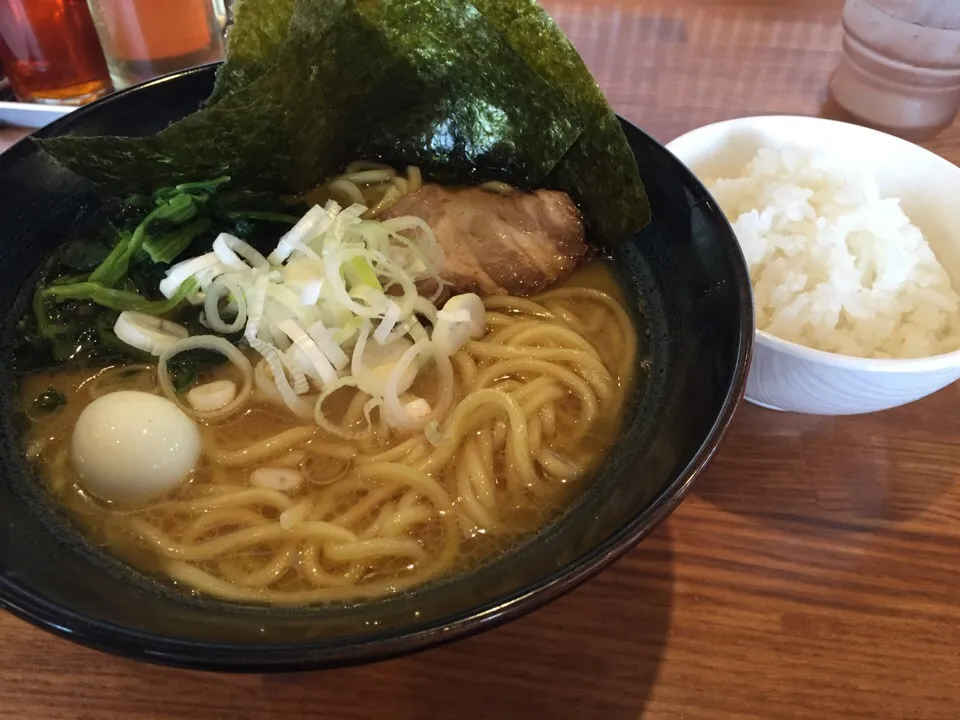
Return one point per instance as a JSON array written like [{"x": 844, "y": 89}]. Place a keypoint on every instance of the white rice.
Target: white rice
[{"x": 834, "y": 265}]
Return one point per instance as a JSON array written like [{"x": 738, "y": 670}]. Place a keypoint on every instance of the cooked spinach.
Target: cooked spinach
[
  {"x": 52, "y": 333},
  {"x": 119, "y": 300},
  {"x": 117, "y": 262},
  {"x": 181, "y": 215},
  {"x": 83, "y": 254}
]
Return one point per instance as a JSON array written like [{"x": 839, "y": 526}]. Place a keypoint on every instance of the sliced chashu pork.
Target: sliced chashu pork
[{"x": 500, "y": 244}]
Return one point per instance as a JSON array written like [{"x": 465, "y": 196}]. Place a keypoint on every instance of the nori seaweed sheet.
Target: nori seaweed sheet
[
  {"x": 459, "y": 99},
  {"x": 600, "y": 172},
  {"x": 467, "y": 91},
  {"x": 254, "y": 44},
  {"x": 485, "y": 110}
]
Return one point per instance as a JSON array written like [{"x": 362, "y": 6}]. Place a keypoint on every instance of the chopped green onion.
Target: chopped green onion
[{"x": 363, "y": 273}]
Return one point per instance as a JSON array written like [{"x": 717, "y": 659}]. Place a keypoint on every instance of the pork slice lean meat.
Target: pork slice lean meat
[{"x": 513, "y": 244}]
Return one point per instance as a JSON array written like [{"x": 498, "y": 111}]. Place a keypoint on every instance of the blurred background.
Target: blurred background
[
  {"x": 70, "y": 52},
  {"x": 899, "y": 69}
]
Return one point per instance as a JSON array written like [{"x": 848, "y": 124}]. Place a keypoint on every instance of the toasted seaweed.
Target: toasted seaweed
[
  {"x": 468, "y": 91},
  {"x": 254, "y": 44},
  {"x": 433, "y": 82},
  {"x": 600, "y": 172},
  {"x": 482, "y": 109},
  {"x": 274, "y": 133}
]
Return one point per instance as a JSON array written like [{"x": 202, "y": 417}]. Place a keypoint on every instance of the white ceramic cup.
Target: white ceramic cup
[{"x": 791, "y": 377}]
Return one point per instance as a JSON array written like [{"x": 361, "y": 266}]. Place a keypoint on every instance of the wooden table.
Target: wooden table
[{"x": 814, "y": 572}]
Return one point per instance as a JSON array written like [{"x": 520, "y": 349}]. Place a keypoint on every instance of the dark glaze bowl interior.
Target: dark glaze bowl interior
[{"x": 685, "y": 281}]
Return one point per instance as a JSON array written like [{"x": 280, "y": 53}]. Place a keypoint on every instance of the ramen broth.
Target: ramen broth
[{"x": 162, "y": 537}]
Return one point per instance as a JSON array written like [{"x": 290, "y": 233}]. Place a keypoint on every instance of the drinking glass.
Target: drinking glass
[
  {"x": 146, "y": 38},
  {"x": 900, "y": 70},
  {"x": 50, "y": 51}
]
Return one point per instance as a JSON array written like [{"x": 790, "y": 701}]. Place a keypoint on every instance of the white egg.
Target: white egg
[{"x": 132, "y": 447}]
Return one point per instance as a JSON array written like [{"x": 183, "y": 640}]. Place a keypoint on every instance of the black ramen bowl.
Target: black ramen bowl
[{"x": 686, "y": 284}]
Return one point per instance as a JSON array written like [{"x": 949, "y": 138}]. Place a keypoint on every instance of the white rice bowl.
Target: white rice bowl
[{"x": 834, "y": 265}]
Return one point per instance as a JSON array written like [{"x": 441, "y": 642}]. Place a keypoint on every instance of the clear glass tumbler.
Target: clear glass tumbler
[
  {"x": 146, "y": 38},
  {"x": 900, "y": 70},
  {"x": 50, "y": 51}
]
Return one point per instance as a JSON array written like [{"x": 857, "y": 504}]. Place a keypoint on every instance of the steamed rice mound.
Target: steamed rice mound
[{"x": 834, "y": 265}]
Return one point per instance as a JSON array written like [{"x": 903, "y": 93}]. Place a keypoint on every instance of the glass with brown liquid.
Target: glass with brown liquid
[
  {"x": 50, "y": 51},
  {"x": 146, "y": 38}
]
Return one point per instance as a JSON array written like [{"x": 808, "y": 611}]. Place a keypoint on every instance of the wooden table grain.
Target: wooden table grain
[{"x": 813, "y": 572}]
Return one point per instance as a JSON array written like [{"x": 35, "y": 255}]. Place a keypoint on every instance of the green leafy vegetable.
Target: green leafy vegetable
[
  {"x": 119, "y": 300},
  {"x": 49, "y": 400},
  {"x": 167, "y": 247},
  {"x": 265, "y": 215},
  {"x": 83, "y": 254},
  {"x": 165, "y": 233},
  {"x": 119, "y": 260},
  {"x": 247, "y": 212},
  {"x": 114, "y": 267},
  {"x": 44, "y": 324},
  {"x": 53, "y": 332},
  {"x": 201, "y": 190},
  {"x": 178, "y": 209}
]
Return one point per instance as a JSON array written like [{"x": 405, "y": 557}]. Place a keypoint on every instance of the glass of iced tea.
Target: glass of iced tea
[
  {"x": 146, "y": 38},
  {"x": 50, "y": 51}
]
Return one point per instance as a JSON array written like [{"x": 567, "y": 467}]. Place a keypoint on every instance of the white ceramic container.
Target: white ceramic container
[{"x": 785, "y": 375}]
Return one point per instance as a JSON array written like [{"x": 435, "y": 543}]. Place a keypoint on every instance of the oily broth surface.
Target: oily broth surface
[{"x": 47, "y": 443}]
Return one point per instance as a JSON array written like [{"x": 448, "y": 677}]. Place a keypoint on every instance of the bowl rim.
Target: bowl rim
[
  {"x": 899, "y": 366},
  {"x": 766, "y": 340},
  {"x": 235, "y": 657}
]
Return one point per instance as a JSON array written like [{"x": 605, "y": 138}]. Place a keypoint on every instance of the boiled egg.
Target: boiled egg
[{"x": 131, "y": 447}]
